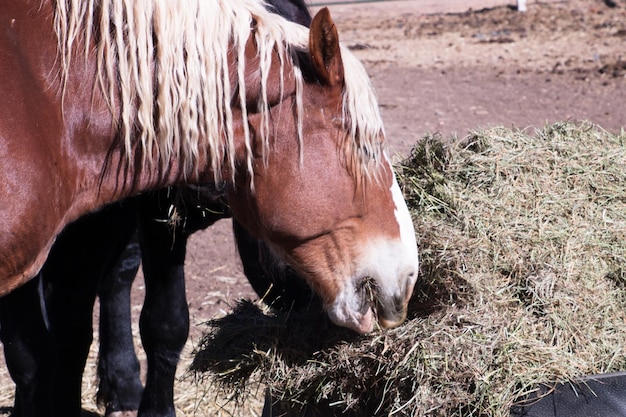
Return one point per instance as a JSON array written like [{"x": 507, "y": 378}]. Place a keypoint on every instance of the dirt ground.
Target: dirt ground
[{"x": 450, "y": 73}]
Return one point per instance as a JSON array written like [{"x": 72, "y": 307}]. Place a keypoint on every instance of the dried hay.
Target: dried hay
[{"x": 523, "y": 247}]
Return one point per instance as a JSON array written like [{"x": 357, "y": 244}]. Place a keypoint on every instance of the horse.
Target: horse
[
  {"x": 112, "y": 123},
  {"x": 97, "y": 240},
  {"x": 35, "y": 354}
]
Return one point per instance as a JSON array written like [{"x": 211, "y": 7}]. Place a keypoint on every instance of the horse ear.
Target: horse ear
[{"x": 325, "y": 50}]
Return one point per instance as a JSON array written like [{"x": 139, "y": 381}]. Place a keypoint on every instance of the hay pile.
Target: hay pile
[{"x": 523, "y": 247}]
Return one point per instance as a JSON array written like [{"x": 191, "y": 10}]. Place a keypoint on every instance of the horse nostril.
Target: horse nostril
[
  {"x": 398, "y": 302},
  {"x": 409, "y": 285}
]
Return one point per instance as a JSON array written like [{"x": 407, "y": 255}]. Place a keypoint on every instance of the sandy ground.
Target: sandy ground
[{"x": 447, "y": 67}]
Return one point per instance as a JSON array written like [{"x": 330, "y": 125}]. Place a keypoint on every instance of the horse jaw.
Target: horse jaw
[{"x": 382, "y": 285}]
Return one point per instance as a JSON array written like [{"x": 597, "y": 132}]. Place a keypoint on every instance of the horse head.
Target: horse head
[{"x": 320, "y": 188}]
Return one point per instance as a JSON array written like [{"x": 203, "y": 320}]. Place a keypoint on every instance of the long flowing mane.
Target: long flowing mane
[{"x": 166, "y": 65}]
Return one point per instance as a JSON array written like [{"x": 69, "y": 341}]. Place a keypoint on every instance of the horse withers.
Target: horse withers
[{"x": 109, "y": 100}]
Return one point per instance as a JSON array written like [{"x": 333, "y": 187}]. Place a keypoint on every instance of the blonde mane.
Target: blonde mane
[{"x": 166, "y": 64}]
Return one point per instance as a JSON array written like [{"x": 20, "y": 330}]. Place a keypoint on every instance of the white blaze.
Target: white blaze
[
  {"x": 393, "y": 263},
  {"x": 407, "y": 231}
]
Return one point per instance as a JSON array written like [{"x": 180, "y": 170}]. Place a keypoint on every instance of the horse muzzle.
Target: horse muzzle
[{"x": 359, "y": 306}]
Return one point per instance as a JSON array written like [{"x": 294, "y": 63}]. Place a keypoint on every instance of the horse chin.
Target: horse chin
[
  {"x": 360, "y": 307},
  {"x": 361, "y": 321}
]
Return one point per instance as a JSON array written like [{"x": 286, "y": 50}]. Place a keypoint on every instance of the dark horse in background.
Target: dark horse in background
[
  {"x": 112, "y": 99},
  {"x": 46, "y": 327}
]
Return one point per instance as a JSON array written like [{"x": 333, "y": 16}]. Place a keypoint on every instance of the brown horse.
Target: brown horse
[{"x": 103, "y": 99}]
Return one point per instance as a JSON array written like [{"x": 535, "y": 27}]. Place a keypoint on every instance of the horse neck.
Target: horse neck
[
  {"x": 98, "y": 170},
  {"x": 107, "y": 174}
]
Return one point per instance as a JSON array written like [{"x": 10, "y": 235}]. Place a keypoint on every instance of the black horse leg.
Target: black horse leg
[
  {"x": 87, "y": 249},
  {"x": 28, "y": 350},
  {"x": 119, "y": 387},
  {"x": 70, "y": 307},
  {"x": 164, "y": 322},
  {"x": 46, "y": 361}
]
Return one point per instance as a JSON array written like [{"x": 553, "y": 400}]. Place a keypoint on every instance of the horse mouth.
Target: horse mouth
[
  {"x": 365, "y": 306},
  {"x": 368, "y": 289},
  {"x": 387, "y": 313}
]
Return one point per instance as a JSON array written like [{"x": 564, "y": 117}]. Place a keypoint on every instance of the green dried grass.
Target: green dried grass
[{"x": 523, "y": 246}]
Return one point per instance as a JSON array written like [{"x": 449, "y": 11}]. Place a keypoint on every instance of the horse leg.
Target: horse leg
[
  {"x": 164, "y": 322},
  {"x": 50, "y": 383},
  {"x": 119, "y": 387},
  {"x": 27, "y": 350},
  {"x": 85, "y": 251},
  {"x": 70, "y": 306}
]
